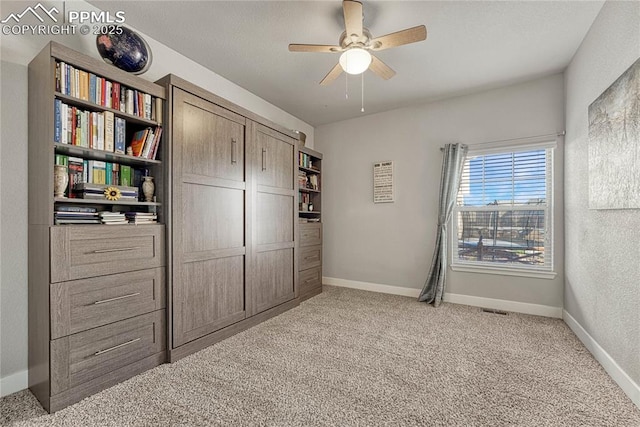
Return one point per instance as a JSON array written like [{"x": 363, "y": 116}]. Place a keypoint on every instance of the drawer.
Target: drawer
[
  {"x": 310, "y": 257},
  {"x": 81, "y": 357},
  {"x": 310, "y": 234},
  {"x": 90, "y": 251},
  {"x": 310, "y": 280},
  {"x": 88, "y": 303}
]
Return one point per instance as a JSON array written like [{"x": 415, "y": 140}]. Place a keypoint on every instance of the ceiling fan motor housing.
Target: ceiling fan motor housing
[{"x": 363, "y": 41}]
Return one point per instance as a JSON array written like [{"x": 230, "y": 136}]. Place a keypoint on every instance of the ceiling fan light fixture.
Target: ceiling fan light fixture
[{"x": 355, "y": 60}]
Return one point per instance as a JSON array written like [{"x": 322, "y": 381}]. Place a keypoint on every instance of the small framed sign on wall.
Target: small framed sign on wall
[{"x": 383, "y": 182}]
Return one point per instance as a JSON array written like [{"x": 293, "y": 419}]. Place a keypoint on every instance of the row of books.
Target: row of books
[
  {"x": 305, "y": 160},
  {"x": 99, "y": 172},
  {"x": 89, "y": 87},
  {"x": 145, "y": 143},
  {"x": 141, "y": 217},
  {"x": 90, "y": 129},
  {"x": 102, "y": 131},
  {"x": 304, "y": 201},
  {"x": 70, "y": 214},
  {"x": 308, "y": 180}
]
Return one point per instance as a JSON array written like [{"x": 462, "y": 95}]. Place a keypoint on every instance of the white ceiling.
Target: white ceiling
[{"x": 471, "y": 46}]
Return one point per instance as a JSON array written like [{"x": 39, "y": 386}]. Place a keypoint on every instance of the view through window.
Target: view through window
[{"x": 502, "y": 214}]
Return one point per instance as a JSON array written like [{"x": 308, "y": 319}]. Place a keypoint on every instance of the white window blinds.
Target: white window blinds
[{"x": 503, "y": 212}]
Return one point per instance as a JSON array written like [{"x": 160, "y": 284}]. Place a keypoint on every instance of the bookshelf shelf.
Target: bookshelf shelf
[
  {"x": 104, "y": 202},
  {"x": 308, "y": 190},
  {"x": 309, "y": 212},
  {"x": 309, "y": 170},
  {"x": 91, "y": 153},
  {"x": 96, "y": 107}
]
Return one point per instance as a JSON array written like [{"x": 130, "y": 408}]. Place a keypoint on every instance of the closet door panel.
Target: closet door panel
[
  {"x": 213, "y": 141},
  {"x": 215, "y": 218},
  {"x": 275, "y": 278},
  {"x": 274, "y": 158},
  {"x": 274, "y": 197},
  {"x": 213, "y": 294},
  {"x": 274, "y": 219},
  {"x": 209, "y": 197}
]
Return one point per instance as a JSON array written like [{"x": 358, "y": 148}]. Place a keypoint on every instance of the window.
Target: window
[{"x": 503, "y": 215}]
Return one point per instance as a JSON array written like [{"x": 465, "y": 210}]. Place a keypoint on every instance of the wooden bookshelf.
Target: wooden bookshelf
[
  {"x": 310, "y": 222},
  {"x": 120, "y": 267}
]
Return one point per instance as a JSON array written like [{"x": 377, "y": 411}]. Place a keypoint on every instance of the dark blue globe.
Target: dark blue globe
[{"x": 127, "y": 51}]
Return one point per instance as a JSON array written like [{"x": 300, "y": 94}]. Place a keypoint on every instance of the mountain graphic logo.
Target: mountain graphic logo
[{"x": 34, "y": 11}]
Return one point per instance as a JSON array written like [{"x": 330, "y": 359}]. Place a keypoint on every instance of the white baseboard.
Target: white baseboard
[
  {"x": 372, "y": 287},
  {"x": 497, "y": 304},
  {"x": 630, "y": 387},
  {"x": 13, "y": 383},
  {"x": 506, "y": 305}
]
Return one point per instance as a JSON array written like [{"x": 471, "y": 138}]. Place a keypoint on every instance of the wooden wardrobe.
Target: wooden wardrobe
[{"x": 232, "y": 218}]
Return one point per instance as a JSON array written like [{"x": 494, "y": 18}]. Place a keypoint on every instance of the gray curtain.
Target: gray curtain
[{"x": 452, "y": 164}]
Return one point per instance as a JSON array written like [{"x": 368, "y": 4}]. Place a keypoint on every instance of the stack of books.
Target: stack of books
[
  {"x": 64, "y": 214},
  {"x": 113, "y": 218},
  {"x": 86, "y": 190},
  {"x": 142, "y": 217}
]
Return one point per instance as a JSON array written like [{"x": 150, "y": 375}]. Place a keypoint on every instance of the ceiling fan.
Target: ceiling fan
[{"x": 356, "y": 44}]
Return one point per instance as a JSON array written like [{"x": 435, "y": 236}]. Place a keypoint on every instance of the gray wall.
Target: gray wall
[
  {"x": 602, "y": 290},
  {"x": 392, "y": 244},
  {"x": 13, "y": 221}
]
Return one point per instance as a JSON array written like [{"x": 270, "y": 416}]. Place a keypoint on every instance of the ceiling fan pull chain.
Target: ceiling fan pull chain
[
  {"x": 362, "y": 94},
  {"x": 346, "y": 86}
]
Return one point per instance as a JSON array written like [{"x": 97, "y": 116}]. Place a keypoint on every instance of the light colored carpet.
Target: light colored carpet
[{"x": 350, "y": 357}]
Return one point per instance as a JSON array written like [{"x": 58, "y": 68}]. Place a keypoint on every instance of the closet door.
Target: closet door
[
  {"x": 273, "y": 215},
  {"x": 208, "y": 199}
]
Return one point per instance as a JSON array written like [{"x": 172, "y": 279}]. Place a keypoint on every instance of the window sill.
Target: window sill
[{"x": 521, "y": 272}]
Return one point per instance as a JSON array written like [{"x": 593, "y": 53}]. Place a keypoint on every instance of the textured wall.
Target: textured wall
[
  {"x": 602, "y": 265},
  {"x": 392, "y": 243}
]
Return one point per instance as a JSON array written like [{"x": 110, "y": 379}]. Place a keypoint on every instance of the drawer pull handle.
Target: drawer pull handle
[
  {"x": 102, "y": 301},
  {"x": 104, "y": 251},
  {"x": 106, "y": 350},
  {"x": 264, "y": 159}
]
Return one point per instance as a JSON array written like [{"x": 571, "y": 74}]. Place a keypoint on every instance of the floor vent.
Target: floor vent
[{"x": 494, "y": 311}]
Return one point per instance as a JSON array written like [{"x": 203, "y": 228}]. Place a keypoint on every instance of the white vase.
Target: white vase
[
  {"x": 148, "y": 188},
  {"x": 60, "y": 180}
]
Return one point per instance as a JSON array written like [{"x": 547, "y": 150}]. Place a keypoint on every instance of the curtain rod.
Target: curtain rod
[{"x": 562, "y": 133}]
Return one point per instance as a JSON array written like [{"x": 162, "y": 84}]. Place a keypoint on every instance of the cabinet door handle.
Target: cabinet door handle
[
  {"x": 264, "y": 159},
  {"x": 102, "y": 301},
  {"x": 107, "y": 350},
  {"x": 234, "y": 147},
  {"x": 104, "y": 251}
]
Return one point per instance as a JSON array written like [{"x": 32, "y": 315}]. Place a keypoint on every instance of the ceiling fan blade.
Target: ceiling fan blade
[
  {"x": 352, "y": 17},
  {"x": 380, "y": 68},
  {"x": 314, "y": 48},
  {"x": 332, "y": 75},
  {"x": 399, "y": 38}
]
